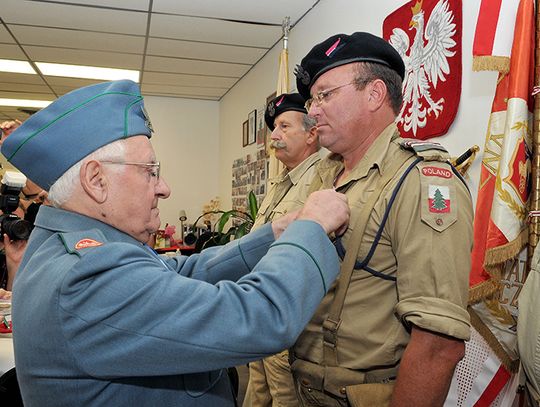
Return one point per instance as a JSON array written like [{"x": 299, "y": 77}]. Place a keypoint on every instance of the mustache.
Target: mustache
[{"x": 278, "y": 144}]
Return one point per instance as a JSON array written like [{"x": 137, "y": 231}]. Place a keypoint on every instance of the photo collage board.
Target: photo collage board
[{"x": 249, "y": 173}]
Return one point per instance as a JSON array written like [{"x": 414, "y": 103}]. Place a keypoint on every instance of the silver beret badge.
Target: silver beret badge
[
  {"x": 302, "y": 74},
  {"x": 271, "y": 109}
]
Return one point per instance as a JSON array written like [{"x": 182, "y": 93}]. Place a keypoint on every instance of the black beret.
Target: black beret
[
  {"x": 283, "y": 103},
  {"x": 342, "y": 49}
]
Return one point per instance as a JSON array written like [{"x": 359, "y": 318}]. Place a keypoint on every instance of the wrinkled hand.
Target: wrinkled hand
[
  {"x": 14, "y": 253},
  {"x": 280, "y": 224},
  {"x": 329, "y": 209}
]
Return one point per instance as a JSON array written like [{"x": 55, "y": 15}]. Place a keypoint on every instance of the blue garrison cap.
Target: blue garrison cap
[{"x": 52, "y": 140}]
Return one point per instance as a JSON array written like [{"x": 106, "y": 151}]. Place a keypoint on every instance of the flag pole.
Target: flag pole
[
  {"x": 275, "y": 166},
  {"x": 534, "y": 207}
]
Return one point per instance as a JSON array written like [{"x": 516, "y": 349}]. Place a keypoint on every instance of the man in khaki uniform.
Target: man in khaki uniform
[
  {"x": 392, "y": 329},
  {"x": 295, "y": 143}
]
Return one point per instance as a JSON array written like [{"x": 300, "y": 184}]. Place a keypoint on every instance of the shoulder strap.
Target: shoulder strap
[{"x": 333, "y": 320}]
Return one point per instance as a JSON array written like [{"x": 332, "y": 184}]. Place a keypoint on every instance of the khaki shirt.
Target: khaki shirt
[
  {"x": 425, "y": 244},
  {"x": 301, "y": 177}
]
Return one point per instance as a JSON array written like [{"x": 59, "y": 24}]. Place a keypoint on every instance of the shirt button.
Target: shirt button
[
  {"x": 439, "y": 221},
  {"x": 343, "y": 390}
]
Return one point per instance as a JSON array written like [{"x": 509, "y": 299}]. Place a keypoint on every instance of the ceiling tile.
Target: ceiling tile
[
  {"x": 9, "y": 51},
  {"x": 60, "y": 81},
  {"x": 76, "y": 39},
  {"x": 31, "y": 96},
  {"x": 5, "y": 36},
  {"x": 73, "y": 16},
  {"x": 10, "y": 77},
  {"x": 268, "y": 11},
  {"x": 82, "y": 57},
  {"x": 176, "y": 65},
  {"x": 25, "y": 88},
  {"x": 198, "y": 50},
  {"x": 123, "y": 4},
  {"x": 193, "y": 49},
  {"x": 157, "y": 78},
  {"x": 184, "y": 90},
  {"x": 214, "y": 31}
]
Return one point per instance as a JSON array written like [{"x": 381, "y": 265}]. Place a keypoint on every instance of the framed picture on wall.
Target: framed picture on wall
[
  {"x": 245, "y": 132},
  {"x": 252, "y": 126},
  {"x": 261, "y": 128}
]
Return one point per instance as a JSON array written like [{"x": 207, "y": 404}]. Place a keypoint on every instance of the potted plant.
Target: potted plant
[{"x": 242, "y": 221}]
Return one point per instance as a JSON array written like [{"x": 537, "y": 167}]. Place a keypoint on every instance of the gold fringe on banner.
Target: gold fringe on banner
[
  {"x": 507, "y": 251},
  {"x": 494, "y": 263},
  {"x": 491, "y": 63},
  {"x": 510, "y": 364},
  {"x": 487, "y": 288}
]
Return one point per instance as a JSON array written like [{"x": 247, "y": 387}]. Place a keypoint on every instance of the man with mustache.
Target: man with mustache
[{"x": 294, "y": 140}]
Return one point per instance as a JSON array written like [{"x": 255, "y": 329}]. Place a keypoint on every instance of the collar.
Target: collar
[
  {"x": 297, "y": 172},
  {"x": 63, "y": 221},
  {"x": 374, "y": 158}
]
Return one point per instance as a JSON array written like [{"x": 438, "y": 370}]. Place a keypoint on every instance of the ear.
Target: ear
[
  {"x": 94, "y": 181},
  {"x": 376, "y": 91},
  {"x": 312, "y": 136}
]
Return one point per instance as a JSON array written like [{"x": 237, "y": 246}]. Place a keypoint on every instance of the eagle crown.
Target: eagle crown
[{"x": 417, "y": 8}]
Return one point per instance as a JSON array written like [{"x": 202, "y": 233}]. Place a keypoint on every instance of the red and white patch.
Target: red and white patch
[
  {"x": 437, "y": 172},
  {"x": 280, "y": 101},
  {"x": 439, "y": 199},
  {"x": 333, "y": 47},
  {"x": 84, "y": 243}
]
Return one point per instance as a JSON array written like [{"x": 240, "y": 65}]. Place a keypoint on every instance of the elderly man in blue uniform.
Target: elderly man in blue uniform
[
  {"x": 294, "y": 140},
  {"x": 99, "y": 318},
  {"x": 392, "y": 330}
]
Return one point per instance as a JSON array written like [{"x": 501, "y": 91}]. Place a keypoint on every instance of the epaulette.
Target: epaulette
[
  {"x": 77, "y": 242},
  {"x": 428, "y": 150}
]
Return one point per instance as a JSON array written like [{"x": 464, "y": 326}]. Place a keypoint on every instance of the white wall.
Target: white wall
[
  {"x": 187, "y": 144},
  {"x": 334, "y": 16}
]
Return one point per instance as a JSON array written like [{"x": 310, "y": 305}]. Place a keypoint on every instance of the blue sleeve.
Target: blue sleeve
[
  {"x": 123, "y": 309},
  {"x": 229, "y": 262}
]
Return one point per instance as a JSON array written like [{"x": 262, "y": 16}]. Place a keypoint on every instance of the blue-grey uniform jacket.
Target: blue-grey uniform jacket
[{"x": 101, "y": 320}]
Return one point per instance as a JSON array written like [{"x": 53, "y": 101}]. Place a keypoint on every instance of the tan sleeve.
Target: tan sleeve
[{"x": 431, "y": 223}]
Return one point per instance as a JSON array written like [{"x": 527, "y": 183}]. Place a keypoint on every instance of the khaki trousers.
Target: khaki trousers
[{"x": 271, "y": 383}]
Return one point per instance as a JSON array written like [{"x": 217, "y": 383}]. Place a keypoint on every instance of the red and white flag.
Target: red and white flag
[
  {"x": 494, "y": 34},
  {"x": 501, "y": 209},
  {"x": 500, "y": 230}
]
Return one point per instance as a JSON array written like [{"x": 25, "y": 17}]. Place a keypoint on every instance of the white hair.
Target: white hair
[
  {"x": 63, "y": 188},
  {"x": 308, "y": 122}
]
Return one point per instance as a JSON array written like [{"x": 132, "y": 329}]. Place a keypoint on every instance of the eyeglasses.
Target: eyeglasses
[
  {"x": 321, "y": 95},
  {"x": 153, "y": 168}
]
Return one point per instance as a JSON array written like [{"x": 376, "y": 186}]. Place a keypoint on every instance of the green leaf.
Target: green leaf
[
  {"x": 223, "y": 220},
  {"x": 242, "y": 230},
  {"x": 253, "y": 206}
]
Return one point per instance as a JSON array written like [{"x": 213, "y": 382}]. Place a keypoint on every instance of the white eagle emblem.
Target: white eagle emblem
[{"x": 426, "y": 62}]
